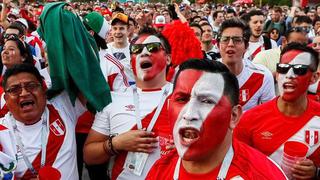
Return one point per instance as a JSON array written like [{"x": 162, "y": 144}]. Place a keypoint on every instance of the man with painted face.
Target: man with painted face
[
  {"x": 289, "y": 117},
  {"x": 138, "y": 115},
  {"x": 255, "y": 81},
  {"x": 204, "y": 109}
]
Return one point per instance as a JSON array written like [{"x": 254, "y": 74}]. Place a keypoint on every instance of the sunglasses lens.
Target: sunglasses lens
[
  {"x": 136, "y": 48},
  {"x": 300, "y": 69},
  {"x": 153, "y": 47},
  {"x": 283, "y": 68}
]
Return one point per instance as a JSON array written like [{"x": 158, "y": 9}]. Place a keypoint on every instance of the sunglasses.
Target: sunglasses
[
  {"x": 300, "y": 29},
  {"x": 298, "y": 69},
  {"x": 16, "y": 90},
  {"x": 151, "y": 47},
  {"x": 10, "y": 36}
]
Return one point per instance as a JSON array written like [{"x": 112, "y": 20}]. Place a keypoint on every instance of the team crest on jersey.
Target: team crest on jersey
[
  {"x": 244, "y": 95},
  {"x": 57, "y": 128},
  {"x": 312, "y": 137},
  {"x": 129, "y": 107}
]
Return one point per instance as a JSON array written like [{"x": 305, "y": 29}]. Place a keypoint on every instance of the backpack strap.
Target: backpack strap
[{"x": 266, "y": 43}]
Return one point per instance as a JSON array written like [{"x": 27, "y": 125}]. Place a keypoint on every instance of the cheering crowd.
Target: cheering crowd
[{"x": 159, "y": 91}]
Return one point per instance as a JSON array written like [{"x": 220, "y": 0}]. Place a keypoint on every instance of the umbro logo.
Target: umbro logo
[
  {"x": 129, "y": 107},
  {"x": 266, "y": 135}
]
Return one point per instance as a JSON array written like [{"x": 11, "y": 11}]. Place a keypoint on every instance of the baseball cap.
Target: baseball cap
[
  {"x": 97, "y": 23},
  {"x": 119, "y": 17},
  {"x": 160, "y": 21},
  {"x": 23, "y": 22}
]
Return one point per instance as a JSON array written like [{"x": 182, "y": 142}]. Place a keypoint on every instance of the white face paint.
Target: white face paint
[
  {"x": 196, "y": 113},
  {"x": 157, "y": 61},
  {"x": 302, "y": 58}
]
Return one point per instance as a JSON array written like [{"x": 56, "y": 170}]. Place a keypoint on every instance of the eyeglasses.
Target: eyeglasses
[
  {"x": 151, "y": 47},
  {"x": 235, "y": 39},
  {"x": 16, "y": 90},
  {"x": 298, "y": 69}
]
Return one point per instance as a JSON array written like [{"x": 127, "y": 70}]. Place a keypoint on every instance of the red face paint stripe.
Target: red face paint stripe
[
  {"x": 289, "y": 56},
  {"x": 213, "y": 130}
]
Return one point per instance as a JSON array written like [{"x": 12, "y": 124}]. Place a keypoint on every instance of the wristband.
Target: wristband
[{"x": 112, "y": 150}]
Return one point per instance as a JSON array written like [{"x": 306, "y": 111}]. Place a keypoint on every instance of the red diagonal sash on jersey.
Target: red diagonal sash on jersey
[
  {"x": 116, "y": 62},
  {"x": 111, "y": 79},
  {"x": 256, "y": 52},
  {"x": 57, "y": 132},
  {"x": 250, "y": 87},
  {"x": 162, "y": 126},
  {"x": 282, "y": 136}
]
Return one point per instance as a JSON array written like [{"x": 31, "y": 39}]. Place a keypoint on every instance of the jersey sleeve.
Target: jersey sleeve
[{"x": 101, "y": 122}]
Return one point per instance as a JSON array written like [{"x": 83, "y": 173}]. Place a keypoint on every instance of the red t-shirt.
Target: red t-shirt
[
  {"x": 247, "y": 163},
  {"x": 266, "y": 129}
]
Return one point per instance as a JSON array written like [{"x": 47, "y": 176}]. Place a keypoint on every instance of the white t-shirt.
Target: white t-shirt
[{"x": 66, "y": 159}]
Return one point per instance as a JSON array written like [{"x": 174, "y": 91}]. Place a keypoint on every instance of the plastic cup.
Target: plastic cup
[{"x": 293, "y": 152}]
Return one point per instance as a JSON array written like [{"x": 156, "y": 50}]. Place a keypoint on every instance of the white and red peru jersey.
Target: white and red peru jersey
[
  {"x": 255, "y": 47},
  {"x": 113, "y": 71},
  {"x": 123, "y": 56},
  {"x": 119, "y": 117},
  {"x": 267, "y": 129},
  {"x": 61, "y": 146},
  {"x": 256, "y": 85}
]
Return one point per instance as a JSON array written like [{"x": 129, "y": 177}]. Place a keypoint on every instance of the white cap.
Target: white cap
[
  {"x": 160, "y": 21},
  {"x": 23, "y": 22}
]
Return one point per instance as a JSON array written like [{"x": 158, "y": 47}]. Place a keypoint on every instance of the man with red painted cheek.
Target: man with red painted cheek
[
  {"x": 204, "y": 110},
  {"x": 134, "y": 129},
  {"x": 292, "y": 116}
]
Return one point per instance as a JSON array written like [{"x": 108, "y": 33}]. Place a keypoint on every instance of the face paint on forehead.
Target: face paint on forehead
[
  {"x": 147, "y": 39},
  {"x": 296, "y": 57},
  {"x": 187, "y": 79}
]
